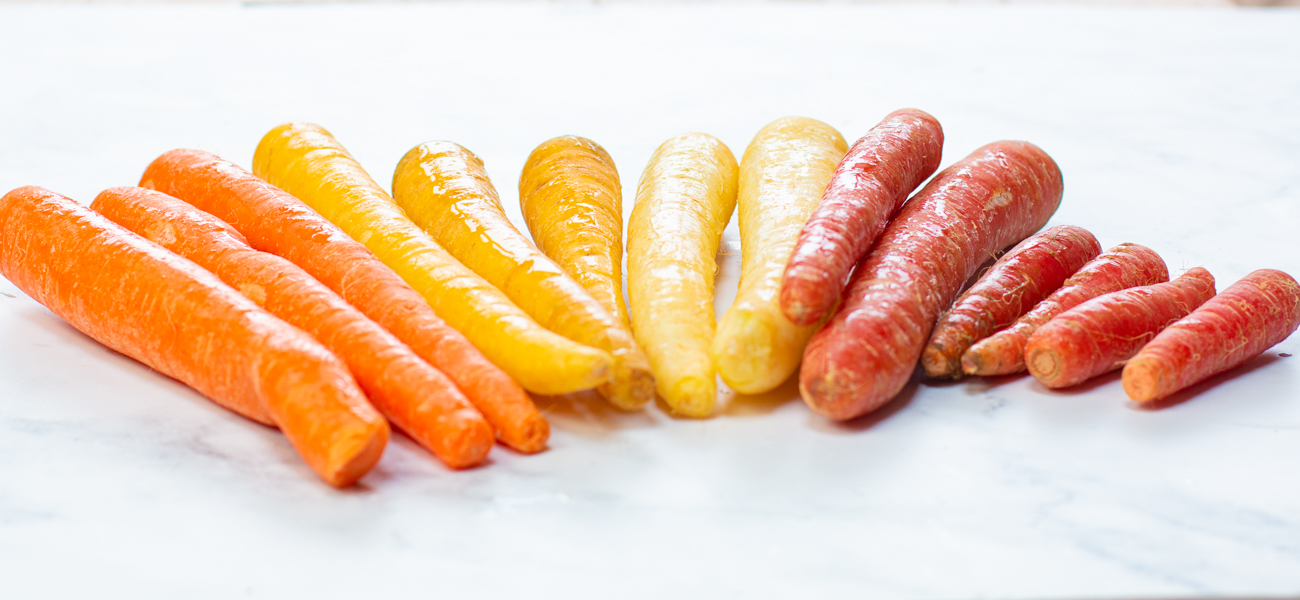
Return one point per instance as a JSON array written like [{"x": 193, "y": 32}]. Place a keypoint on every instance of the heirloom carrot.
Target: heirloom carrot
[
  {"x": 783, "y": 174},
  {"x": 683, "y": 203},
  {"x": 172, "y": 315},
  {"x": 1238, "y": 324},
  {"x": 416, "y": 397},
  {"x": 306, "y": 161},
  {"x": 869, "y": 185},
  {"x": 1097, "y": 336},
  {"x": 1019, "y": 280},
  {"x": 273, "y": 221},
  {"x": 997, "y": 196},
  {"x": 573, "y": 205},
  {"x": 1121, "y": 267},
  {"x": 444, "y": 188}
]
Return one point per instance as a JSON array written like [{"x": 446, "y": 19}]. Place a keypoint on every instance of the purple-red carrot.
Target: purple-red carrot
[
  {"x": 1019, "y": 280},
  {"x": 1121, "y": 267},
  {"x": 871, "y": 182},
  {"x": 997, "y": 196},
  {"x": 1097, "y": 336},
  {"x": 1240, "y": 323}
]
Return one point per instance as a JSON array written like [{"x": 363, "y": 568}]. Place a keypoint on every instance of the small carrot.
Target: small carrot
[
  {"x": 1020, "y": 279},
  {"x": 1244, "y": 320},
  {"x": 1121, "y": 267},
  {"x": 273, "y": 221},
  {"x": 869, "y": 185},
  {"x": 416, "y": 397},
  {"x": 1097, "y": 336},
  {"x": 997, "y": 196},
  {"x": 172, "y": 315},
  {"x": 783, "y": 173}
]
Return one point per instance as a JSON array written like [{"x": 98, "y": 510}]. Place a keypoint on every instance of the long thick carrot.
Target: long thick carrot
[
  {"x": 572, "y": 202},
  {"x": 1097, "y": 336},
  {"x": 1238, "y": 324},
  {"x": 783, "y": 173},
  {"x": 868, "y": 187},
  {"x": 273, "y": 221},
  {"x": 1014, "y": 285},
  {"x": 306, "y": 161},
  {"x": 416, "y": 397},
  {"x": 444, "y": 188},
  {"x": 170, "y": 314},
  {"x": 995, "y": 197},
  {"x": 1121, "y": 267},
  {"x": 683, "y": 203}
]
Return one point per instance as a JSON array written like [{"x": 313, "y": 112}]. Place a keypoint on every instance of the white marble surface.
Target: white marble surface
[{"x": 1178, "y": 129}]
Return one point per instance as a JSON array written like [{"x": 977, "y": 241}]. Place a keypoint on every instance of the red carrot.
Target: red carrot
[
  {"x": 1121, "y": 267},
  {"x": 416, "y": 397},
  {"x": 868, "y": 187},
  {"x": 276, "y": 222},
  {"x": 170, "y": 314},
  {"x": 1019, "y": 280},
  {"x": 1240, "y": 323},
  {"x": 989, "y": 200},
  {"x": 1097, "y": 336}
]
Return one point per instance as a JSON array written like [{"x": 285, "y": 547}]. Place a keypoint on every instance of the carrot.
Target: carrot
[
  {"x": 572, "y": 202},
  {"x": 1019, "y": 280},
  {"x": 1240, "y": 323},
  {"x": 273, "y": 221},
  {"x": 306, "y": 161},
  {"x": 993, "y": 198},
  {"x": 783, "y": 173},
  {"x": 1121, "y": 267},
  {"x": 170, "y": 314},
  {"x": 868, "y": 187},
  {"x": 444, "y": 189},
  {"x": 1097, "y": 336},
  {"x": 416, "y": 397},
  {"x": 683, "y": 202}
]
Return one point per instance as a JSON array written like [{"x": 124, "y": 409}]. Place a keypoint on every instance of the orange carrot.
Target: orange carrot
[
  {"x": 1020, "y": 279},
  {"x": 1240, "y": 323},
  {"x": 1097, "y": 336},
  {"x": 416, "y": 397},
  {"x": 1121, "y": 267},
  {"x": 276, "y": 222},
  {"x": 170, "y": 314}
]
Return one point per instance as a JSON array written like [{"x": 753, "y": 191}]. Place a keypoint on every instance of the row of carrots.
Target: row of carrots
[{"x": 304, "y": 296}]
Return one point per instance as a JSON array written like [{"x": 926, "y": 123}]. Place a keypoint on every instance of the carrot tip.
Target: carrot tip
[{"x": 1140, "y": 380}]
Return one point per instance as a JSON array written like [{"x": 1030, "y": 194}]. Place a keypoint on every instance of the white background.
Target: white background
[{"x": 1177, "y": 129}]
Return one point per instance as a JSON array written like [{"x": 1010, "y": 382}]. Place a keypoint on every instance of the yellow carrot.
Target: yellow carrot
[
  {"x": 444, "y": 188},
  {"x": 683, "y": 203},
  {"x": 306, "y": 161},
  {"x": 572, "y": 202},
  {"x": 782, "y": 177}
]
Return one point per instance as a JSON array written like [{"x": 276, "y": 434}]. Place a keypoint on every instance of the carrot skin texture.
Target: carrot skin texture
[
  {"x": 869, "y": 185},
  {"x": 1096, "y": 337},
  {"x": 172, "y": 315},
  {"x": 783, "y": 173},
  {"x": 307, "y": 161},
  {"x": 1240, "y": 323},
  {"x": 417, "y": 398},
  {"x": 445, "y": 190},
  {"x": 273, "y": 221},
  {"x": 683, "y": 202},
  {"x": 995, "y": 197},
  {"x": 1022, "y": 278},
  {"x": 572, "y": 202},
  {"x": 1121, "y": 267}
]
